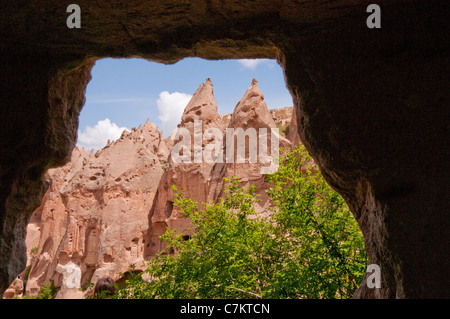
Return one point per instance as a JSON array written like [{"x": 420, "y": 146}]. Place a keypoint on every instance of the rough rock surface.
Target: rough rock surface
[
  {"x": 203, "y": 181},
  {"x": 191, "y": 177},
  {"x": 372, "y": 106},
  {"x": 292, "y": 135},
  {"x": 15, "y": 290},
  {"x": 93, "y": 219},
  {"x": 281, "y": 116},
  {"x": 250, "y": 113}
]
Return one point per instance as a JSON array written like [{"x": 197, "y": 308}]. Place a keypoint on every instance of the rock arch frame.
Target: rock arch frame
[{"x": 372, "y": 106}]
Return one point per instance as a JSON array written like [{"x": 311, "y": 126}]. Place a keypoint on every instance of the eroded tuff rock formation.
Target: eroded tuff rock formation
[
  {"x": 93, "y": 219},
  {"x": 371, "y": 104},
  {"x": 250, "y": 113},
  {"x": 203, "y": 180}
]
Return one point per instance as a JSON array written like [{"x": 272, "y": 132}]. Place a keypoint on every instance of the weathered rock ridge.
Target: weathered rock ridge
[
  {"x": 250, "y": 113},
  {"x": 191, "y": 177},
  {"x": 105, "y": 211},
  {"x": 371, "y": 104},
  {"x": 93, "y": 219}
]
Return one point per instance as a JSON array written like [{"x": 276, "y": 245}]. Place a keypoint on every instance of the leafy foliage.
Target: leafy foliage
[
  {"x": 319, "y": 230},
  {"x": 48, "y": 291},
  {"x": 310, "y": 246}
]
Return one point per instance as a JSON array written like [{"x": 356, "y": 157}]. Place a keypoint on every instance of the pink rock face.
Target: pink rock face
[
  {"x": 106, "y": 210},
  {"x": 191, "y": 177},
  {"x": 250, "y": 113},
  {"x": 94, "y": 217},
  {"x": 293, "y": 130}
]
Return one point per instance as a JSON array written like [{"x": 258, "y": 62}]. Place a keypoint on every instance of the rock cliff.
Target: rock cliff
[{"x": 372, "y": 106}]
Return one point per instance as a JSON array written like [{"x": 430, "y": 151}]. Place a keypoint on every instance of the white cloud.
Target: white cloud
[
  {"x": 170, "y": 108},
  {"x": 253, "y": 63},
  {"x": 96, "y": 137}
]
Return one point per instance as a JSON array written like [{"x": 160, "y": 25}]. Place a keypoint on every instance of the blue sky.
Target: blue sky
[{"x": 123, "y": 93}]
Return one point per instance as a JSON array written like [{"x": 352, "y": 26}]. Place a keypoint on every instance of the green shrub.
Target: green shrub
[
  {"x": 310, "y": 247},
  {"x": 48, "y": 291}
]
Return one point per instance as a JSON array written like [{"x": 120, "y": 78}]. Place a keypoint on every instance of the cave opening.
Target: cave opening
[
  {"x": 369, "y": 99},
  {"x": 120, "y": 97}
]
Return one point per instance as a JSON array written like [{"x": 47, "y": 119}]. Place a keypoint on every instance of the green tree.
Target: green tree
[
  {"x": 310, "y": 246},
  {"x": 48, "y": 291}
]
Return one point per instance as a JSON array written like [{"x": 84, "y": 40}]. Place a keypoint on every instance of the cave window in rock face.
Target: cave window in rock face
[
  {"x": 186, "y": 237},
  {"x": 91, "y": 246},
  {"x": 170, "y": 251}
]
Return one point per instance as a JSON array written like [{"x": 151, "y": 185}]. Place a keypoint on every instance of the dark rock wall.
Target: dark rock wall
[{"x": 372, "y": 106}]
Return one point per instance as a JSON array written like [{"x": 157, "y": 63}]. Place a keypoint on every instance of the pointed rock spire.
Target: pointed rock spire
[
  {"x": 202, "y": 106},
  {"x": 252, "y": 111}
]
